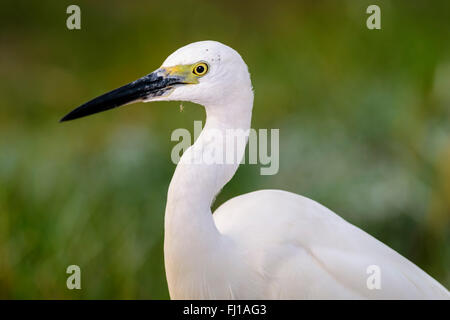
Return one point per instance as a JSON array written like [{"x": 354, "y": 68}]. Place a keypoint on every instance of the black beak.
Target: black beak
[{"x": 152, "y": 85}]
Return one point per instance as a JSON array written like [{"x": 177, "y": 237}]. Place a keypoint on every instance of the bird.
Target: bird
[{"x": 266, "y": 244}]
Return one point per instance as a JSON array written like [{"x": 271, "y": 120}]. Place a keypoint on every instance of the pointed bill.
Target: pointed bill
[{"x": 155, "y": 84}]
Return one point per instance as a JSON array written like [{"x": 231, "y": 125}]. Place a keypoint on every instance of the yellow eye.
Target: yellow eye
[{"x": 200, "y": 69}]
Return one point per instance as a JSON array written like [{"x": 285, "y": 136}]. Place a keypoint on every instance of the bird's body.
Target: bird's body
[
  {"x": 268, "y": 244},
  {"x": 299, "y": 249}
]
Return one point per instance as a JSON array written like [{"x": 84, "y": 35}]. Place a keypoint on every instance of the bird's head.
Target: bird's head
[{"x": 205, "y": 72}]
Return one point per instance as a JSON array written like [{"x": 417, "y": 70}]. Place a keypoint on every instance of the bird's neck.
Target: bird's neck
[{"x": 191, "y": 236}]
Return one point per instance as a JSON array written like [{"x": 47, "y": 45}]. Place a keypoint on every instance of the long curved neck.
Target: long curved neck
[{"x": 191, "y": 236}]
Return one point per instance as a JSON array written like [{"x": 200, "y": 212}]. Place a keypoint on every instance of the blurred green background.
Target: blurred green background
[{"x": 364, "y": 120}]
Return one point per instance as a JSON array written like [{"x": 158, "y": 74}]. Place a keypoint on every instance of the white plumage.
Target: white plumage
[{"x": 309, "y": 252}]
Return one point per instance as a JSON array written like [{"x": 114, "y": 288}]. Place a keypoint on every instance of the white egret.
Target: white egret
[{"x": 268, "y": 244}]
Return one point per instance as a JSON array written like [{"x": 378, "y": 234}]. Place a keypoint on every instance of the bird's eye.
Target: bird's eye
[{"x": 200, "y": 69}]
